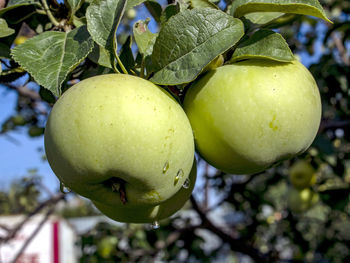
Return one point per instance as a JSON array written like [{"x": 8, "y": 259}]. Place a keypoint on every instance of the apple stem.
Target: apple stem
[
  {"x": 122, "y": 194},
  {"x": 119, "y": 186}
]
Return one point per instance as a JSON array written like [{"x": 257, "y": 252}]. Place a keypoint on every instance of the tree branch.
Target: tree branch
[
  {"x": 236, "y": 244},
  {"x": 341, "y": 49},
  {"x": 25, "y": 92},
  {"x": 35, "y": 232},
  {"x": 12, "y": 233}
]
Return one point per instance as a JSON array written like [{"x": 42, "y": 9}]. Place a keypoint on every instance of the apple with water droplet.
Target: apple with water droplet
[
  {"x": 120, "y": 141},
  {"x": 253, "y": 114},
  {"x": 152, "y": 213}
]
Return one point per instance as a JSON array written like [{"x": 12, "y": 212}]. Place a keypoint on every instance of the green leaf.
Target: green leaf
[
  {"x": 94, "y": 71},
  {"x": 189, "y": 41},
  {"x": 262, "y": 18},
  {"x": 79, "y": 21},
  {"x": 155, "y": 9},
  {"x": 12, "y": 4},
  {"x": 302, "y": 7},
  {"x": 126, "y": 55},
  {"x": 74, "y": 5},
  {"x": 4, "y": 51},
  {"x": 132, "y": 3},
  {"x": 144, "y": 38},
  {"x": 264, "y": 44},
  {"x": 286, "y": 19},
  {"x": 103, "y": 17},
  {"x": 101, "y": 56},
  {"x": 20, "y": 2},
  {"x": 9, "y": 76},
  {"x": 201, "y": 4},
  {"x": 50, "y": 56},
  {"x": 168, "y": 12},
  {"x": 47, "y": 95},
  {"x": 4, "y": 29}
]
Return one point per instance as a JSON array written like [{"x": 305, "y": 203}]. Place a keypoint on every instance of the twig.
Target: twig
[
  {"x": 10, "y": 138},
  {"x": 12, "y": 233},
  {"x": 236, "y": 244},
  {"x": 11, "y": 71},
  {"x": 24, "y": 91},
  {"x": 206, "y": 187},
  {"x": 35, "y": 232},
  {"x": 341, "y": 49},
  {"x": 49, "y": 14},
  {"x": 4, "y": 227},
  {"x": 120, "y": 63},
  {"x": 161, "y": 245},
  {"x": 333, "y": 125}
]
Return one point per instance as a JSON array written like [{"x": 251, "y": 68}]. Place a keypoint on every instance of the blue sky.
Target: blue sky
[{"x": 18, "y": 151}]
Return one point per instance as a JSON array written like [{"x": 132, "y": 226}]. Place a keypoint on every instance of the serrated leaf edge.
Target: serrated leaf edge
[
  {"x": 179, "y": 83},
  {"x": 13, "y": 55},
  {"x": 237, "y": 58}
]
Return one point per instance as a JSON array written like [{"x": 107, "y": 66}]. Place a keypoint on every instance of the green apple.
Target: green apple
[
  {"x": 152, "y": 213},
  {"x": 300, "y": 201},
  {"x": 302, "y": 174},
  {"x": 18, "y": 120},
  {"x": 252, "y": 114},
  {"x": 120, "y": 140},
  {"x": 106, "y": 246},
  {"x": 20, "y": 40},
  {"x": 35, "y": 131},
  {"x": 131, "y": 13}
]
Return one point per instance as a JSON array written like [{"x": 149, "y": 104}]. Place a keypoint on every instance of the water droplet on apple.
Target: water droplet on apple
[
  {"x": 155, "y": 225},
  {"x": 176, "y": 180},
  {"x": 180, "y": 174},
  {"x": 186, "y": 183},
  {"x": 166, "y": 167},
  {"x": 64, "y": 189}
]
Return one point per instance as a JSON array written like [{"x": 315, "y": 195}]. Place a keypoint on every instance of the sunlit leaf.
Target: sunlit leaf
[
  {"x": 50, "y": 56},
  {"x": 4, "y": 29},
  {"x": 144, "y": 38},
  {"x": 303, "y": 7},
  {"x": 189, "y": 41},
  {"x": 103, "y": 18},
  {"x": 264, "y": 44}
]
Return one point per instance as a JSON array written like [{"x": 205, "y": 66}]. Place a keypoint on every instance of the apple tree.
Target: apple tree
[{"x": 125, "y": 104}]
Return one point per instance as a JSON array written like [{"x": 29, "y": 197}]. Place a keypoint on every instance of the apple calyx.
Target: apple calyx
[{"x": 118, "y": 185}]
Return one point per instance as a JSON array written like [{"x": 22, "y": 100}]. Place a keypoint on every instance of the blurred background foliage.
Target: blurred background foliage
[{"x": 259, "y": 218}]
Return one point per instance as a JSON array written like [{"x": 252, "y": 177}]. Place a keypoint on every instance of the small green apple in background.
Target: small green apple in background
[
  {"x": 252, "y": 114},
  {"x": 106, "y": 246},
  {"x": 131, "y": 13},
  {"x": 302, "y": 174},
  {"x": 150, "y": 214},
  {"x": 35, "y": 131},
  {"x": 20, "y": 40},
  {"x": 119, "y": 140},
  {"x": 300, "y": 201},
  {"x": 18, "y": 120}
]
